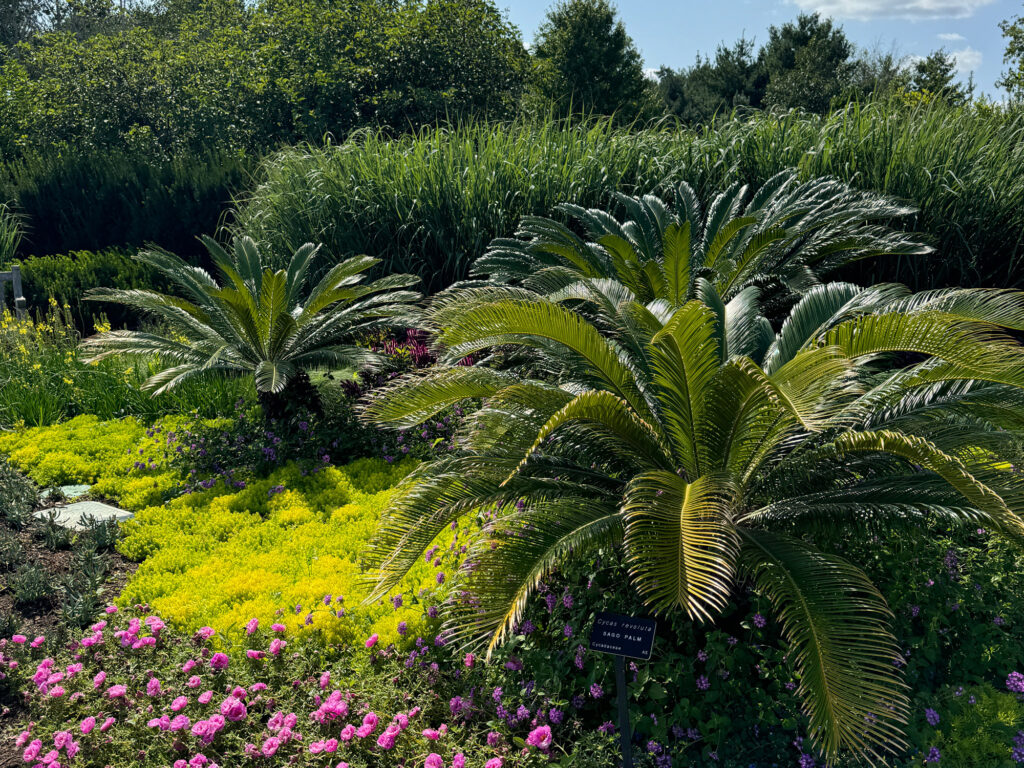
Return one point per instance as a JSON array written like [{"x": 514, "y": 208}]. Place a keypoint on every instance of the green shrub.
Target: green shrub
[
  {"x": 67, "y": 277},
  {"x": 80, "y": 200},
  {"x": 256, "y": 75}
]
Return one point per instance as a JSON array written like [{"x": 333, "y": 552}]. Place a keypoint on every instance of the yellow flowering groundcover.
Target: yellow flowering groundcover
[{"x": 284, "y": 549}]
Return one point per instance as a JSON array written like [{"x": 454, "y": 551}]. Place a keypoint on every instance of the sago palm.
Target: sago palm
[
  {"x": 783, "y": 235},
  {"x": 258, "y": 321},
  {"x": 703, "y": 445}
]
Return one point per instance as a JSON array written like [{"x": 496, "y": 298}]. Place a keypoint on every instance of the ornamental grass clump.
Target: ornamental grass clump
[{"x": 687, "y": 432}]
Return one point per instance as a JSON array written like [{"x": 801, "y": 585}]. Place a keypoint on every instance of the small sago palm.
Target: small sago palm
[
  {"x": 257, "y": 321},
  {"x": 702, "y": 444},
  {"x": 783, "y": 236}
]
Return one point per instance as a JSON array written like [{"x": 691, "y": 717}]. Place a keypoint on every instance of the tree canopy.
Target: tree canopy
[{"x": 585, "y": 62}]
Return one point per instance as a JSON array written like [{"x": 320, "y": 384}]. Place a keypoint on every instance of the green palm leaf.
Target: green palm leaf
[{"x": 842, "y": 647}]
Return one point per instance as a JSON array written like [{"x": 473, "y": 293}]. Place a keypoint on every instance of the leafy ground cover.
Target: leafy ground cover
[{"x": 253, "y": 547}]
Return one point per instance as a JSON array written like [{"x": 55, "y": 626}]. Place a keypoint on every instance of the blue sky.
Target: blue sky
[{"x": 674, "y": 32}]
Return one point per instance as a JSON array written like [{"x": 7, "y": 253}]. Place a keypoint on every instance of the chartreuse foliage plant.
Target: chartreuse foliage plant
[
  {"x": 262, "y": 320},
  {"x": 121, "y": 460},
  {"x": 284, "y": 549},
  {"x": 686, "y": 432}
]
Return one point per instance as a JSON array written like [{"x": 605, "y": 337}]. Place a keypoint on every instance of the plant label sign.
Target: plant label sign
[{"x": 623, "y": 635}]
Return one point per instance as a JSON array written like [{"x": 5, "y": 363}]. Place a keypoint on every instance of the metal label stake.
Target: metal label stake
[{"x": 623, "y": 636}]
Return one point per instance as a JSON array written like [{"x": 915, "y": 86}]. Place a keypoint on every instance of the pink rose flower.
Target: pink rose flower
[
  {"x": 116, "y": 691},
  {"x": 219, "y": 661},
  {"x": 372, "y": 640},
  {"x": 433, "y": 761}
]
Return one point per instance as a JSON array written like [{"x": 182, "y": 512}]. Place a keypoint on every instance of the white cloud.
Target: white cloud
[
  {"x": 907, "y": 9},
  {"x": 950, "y": 36},
  {"x": 967, "y": 60}
]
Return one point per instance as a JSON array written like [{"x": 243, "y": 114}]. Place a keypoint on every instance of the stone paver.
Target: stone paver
[
  {"x": 70, "y": 491},
  {"x": 70, "y": 515}
]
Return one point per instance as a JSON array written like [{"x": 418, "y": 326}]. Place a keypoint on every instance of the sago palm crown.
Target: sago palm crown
[
  {"x": 704, "y": 444},
  {"x": 258, "y": 321}
]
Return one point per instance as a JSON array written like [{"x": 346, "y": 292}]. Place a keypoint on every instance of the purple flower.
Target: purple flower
[
  {"x": 607, "y": 727},
  {"x": 703, "y": 683},
  {"x": 933, "y": 755},
  {"x": 759, "y": 621},
  {"x": 1015, "y": 682},
  {"x": 931, "y": 716},
  {"x": 596, "y": 691}
]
